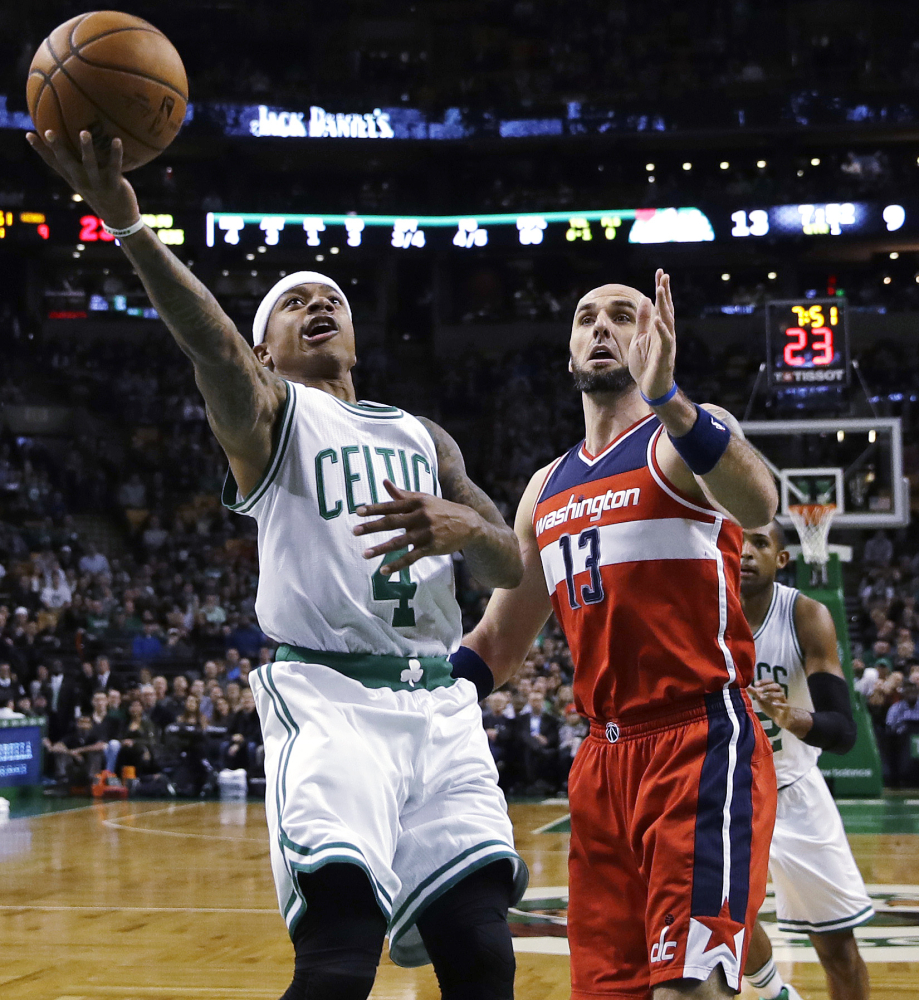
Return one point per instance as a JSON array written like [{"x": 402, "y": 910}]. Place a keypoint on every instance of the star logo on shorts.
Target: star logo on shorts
[{"x": 412, "y": 673}]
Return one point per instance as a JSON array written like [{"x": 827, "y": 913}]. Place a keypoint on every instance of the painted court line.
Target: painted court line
[
  {"x": 116, "y": 908},
  {"x": 549, "y": 827}
]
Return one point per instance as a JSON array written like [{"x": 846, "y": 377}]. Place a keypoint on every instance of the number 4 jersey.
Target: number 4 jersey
[
  {"x": 645, "y": 581},
  {"x": 315, "y": 588}
]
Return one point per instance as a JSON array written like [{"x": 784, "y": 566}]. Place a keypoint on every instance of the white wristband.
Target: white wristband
[{"x": 135, "y": 227}]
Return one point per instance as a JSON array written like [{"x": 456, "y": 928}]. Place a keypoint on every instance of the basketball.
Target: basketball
[{"x": 114, "y": 75}]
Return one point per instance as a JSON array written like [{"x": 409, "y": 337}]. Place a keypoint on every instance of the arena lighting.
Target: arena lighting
[
  {"x": 895, "y": 256},
  {"x": 76, "y": 197},
  {"x": 887, "y": 279},
  {"x": 687, "y": 166},
  {"x": 649, "y": 167},
  {"x": 772, "y": 275},
  {"x": 761, "y": 164},
  {"x": 815, "y": 161},
  {"x": 724, "y": 164},
  {"x": 725, "y": 277}
]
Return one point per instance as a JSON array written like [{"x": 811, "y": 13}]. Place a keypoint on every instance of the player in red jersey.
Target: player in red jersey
[{"x": 634, "y": 538}]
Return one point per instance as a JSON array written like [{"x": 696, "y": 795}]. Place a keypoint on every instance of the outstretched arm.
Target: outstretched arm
[
  {"x": 465, "y": 520},
  {"x": 513, "y": 618},
  {"x": 737, "y": 479},
  {"x": 242, "y": 397}
]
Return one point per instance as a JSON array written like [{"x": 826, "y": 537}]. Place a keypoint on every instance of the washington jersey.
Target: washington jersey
[
  {"x": 644, "y": 580},
  {"x": 315, "y": 588},
  {"x": 779, "y": 658}
]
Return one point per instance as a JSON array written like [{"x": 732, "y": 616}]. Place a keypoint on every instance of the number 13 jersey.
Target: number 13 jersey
[
  {"x": 645, "y": 581},
  {"x": 315, "y": 588}
]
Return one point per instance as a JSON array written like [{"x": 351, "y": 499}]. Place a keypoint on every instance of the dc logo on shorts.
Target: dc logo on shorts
[{"x": 612, "y": 732}]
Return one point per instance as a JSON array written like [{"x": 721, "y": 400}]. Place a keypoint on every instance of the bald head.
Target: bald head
[{"x": 605, "y": 295}]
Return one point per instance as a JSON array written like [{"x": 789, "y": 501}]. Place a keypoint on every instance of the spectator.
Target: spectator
[
  {"x": 103, "y": 679},
  {"x": 878, "y": 549},
  {"x": 57, "y": 593},
  {"x": 213, "y": 613},
  {"x": 154, "y": 536},
  {"x": 177, "y": 649},
  {"x": 247, "y": 637},
  {"x": 93, "y": 562},
  {"x": 79, "y": 756},
  {"x": 147, "y": 647},
  {"x": 157, "y": 710},
  {"x": 245, "y": 735},
  {"x": 139, "y": 739},
  {"x": 902, "y": 732},
  {"x": 571, "y": 735},
  {"x": 132, "y": 494},
  {"x": 185, "y": 744},
  {"x": 10, "y": 688},
  {"x": 537, "y": 733},
  {"x": 500, "y": 732}
]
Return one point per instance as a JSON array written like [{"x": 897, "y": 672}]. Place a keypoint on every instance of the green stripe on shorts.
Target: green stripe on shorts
[{"x": 400, "y": 673}]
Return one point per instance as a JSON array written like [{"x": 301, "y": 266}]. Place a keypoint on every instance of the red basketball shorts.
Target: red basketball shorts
[{"x": 671, "y": 821}]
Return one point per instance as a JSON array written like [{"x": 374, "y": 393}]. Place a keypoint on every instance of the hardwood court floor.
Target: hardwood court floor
[{"x": 173, "y": 901}]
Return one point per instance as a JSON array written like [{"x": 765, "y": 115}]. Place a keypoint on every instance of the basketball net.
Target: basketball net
[{"x": 812, "y": 522}]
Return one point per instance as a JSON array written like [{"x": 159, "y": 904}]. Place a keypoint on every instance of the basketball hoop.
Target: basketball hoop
[{"x": 812, "y": 522}]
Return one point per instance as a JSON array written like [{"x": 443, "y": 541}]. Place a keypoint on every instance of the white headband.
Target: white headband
[{"x": 260, "y": 323}]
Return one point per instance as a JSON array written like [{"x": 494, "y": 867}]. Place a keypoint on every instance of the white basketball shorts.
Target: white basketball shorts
[
  {"x": 818, "y": 887},
  {"x": 398, "y": 782}
]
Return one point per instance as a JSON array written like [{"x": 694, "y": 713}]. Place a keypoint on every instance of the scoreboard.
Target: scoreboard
[{"x": 807, "y": 343}]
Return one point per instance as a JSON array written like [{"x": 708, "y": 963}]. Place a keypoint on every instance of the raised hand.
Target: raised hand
[
  {"x": 652, "y": 353},
  {"x": 430, "y": 525},
  {"x": 103, "y": 187}
]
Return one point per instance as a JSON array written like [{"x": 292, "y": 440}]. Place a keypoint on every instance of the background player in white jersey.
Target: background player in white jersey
[
  {"x": 383, "y": 808},
  {"x": 804, "y": 705}
]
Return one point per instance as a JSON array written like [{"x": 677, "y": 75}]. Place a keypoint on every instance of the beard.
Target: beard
[{"x": 613, "y": 382}]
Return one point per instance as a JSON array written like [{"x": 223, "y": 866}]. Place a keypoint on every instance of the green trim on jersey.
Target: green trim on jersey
[
  {"x": 423, "y": 895},
  {"x": 794, "y": 629},
  {"x": 377, "y": 410},
  {"x": 230, "y": 487},
  {"x": 765, "y": 621},
  {"x": 826, "y": 926},
  {"x": 399, "y": 673}
]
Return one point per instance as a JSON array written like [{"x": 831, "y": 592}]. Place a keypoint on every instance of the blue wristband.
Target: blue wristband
[
  {"x": 707, "y": 440},
  {"x": 468, "y": 664},
  {"x": 674, "y": 389}
]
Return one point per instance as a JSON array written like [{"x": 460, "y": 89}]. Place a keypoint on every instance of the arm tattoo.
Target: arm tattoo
[
  {"x": 494, "y": 558},
  {"x": 225, "y": 370},
  {"x": 200, "y": 327}
]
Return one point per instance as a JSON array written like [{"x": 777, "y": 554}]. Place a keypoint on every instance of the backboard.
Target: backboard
[{"x": 856, "y": 464}]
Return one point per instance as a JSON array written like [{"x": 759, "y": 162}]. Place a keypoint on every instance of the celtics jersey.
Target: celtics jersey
[
  {"x": 779, "y": 658},
  {"x": 315, "y": 589}
]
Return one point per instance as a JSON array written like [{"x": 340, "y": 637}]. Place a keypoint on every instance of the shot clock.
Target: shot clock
[{"x": 807, "y": 343}]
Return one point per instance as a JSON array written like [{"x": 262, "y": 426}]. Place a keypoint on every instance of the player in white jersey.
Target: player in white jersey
[
  {"x": 383, "y": 807},
  {"x": 804, "y": 706}
]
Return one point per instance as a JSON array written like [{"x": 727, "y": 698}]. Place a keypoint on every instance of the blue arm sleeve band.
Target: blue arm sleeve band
[
  {"x": 707, "y": 440},
  {"x": 467, "y": 663},
  {"x": 834, "y": 727}
]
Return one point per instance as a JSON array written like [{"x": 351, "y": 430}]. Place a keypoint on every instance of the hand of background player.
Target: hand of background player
[
  {"x": 772, "y": 701},
  {"x": 430, "y": 525},
  {"x": 652, "y": 353},
  {"x": 104, "y": 188}
]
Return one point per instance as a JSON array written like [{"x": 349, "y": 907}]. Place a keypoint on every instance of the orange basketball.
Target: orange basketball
[{"x": 111, "y": 74}]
